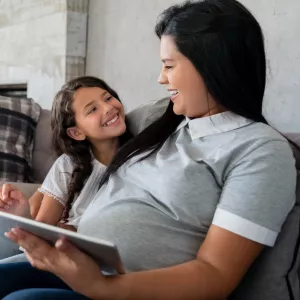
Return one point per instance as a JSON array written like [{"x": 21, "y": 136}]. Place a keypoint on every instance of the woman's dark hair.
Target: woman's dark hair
[
  {"x": 225, "y": 44},
  {"x": 62, "y": 117}
]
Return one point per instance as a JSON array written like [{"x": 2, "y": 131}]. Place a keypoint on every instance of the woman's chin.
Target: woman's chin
[{"x": 177, "y": 111}]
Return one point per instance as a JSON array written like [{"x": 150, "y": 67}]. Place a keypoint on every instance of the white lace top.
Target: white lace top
[{"x": 56, "y": 185}]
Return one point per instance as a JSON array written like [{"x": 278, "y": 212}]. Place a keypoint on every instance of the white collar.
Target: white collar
[{"x": 214, "y": 124}]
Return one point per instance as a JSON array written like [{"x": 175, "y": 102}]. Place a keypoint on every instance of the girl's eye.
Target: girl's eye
[
  {"x": 92, "y": 110},
  {"x": 108, "y": 98},
  {"x": 168, "y": 67}
]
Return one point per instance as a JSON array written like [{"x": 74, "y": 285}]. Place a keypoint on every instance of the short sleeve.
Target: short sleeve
[
  {"x": 259, "y": 193},
  {"x": 56, "y": 182}
]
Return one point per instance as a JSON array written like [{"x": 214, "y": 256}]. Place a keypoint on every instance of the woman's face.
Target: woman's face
[
  {"x": 98, "y": 115},
  {"x": 187, "y": 89}
]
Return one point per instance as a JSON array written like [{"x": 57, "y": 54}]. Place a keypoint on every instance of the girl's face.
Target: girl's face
[
  {"x": 187, "y": 89},
  {"x": 98, "y": 115}
]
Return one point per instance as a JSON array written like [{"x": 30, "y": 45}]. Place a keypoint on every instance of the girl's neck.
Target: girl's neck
[{"x": 105, "y": 151}]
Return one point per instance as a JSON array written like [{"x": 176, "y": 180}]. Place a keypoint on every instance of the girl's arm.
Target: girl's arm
[
  {"x": 35, "y": 202},
  {"x": 50, "y": 211},
  {"x": 42, "y": 208},
  {"x": 55, "y": 191}
]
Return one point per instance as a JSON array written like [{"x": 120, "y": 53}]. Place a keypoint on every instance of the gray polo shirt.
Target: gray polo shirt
[{"x": 224, "y": 170}]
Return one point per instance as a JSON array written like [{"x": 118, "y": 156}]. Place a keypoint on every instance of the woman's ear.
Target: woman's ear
[{"x": 75, "y": 133}]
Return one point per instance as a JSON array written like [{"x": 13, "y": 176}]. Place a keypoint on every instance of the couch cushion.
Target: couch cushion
[
  {"x": 18, "y": 120},
  {"x": 43, "y": 154},
  {"x": 144, "y": 115}
]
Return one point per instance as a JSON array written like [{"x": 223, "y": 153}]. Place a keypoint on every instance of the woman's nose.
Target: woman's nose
[{"x": 162, "y": 78}]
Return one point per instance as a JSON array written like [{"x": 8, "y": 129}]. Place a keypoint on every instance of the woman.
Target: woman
[{"x": 193, "y": 200}]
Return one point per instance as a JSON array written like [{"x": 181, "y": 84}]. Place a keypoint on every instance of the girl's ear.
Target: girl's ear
[{"x": 76, "y": 134}]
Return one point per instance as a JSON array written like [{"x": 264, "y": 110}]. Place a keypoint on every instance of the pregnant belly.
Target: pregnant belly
[{"x": 146, "y": 237}]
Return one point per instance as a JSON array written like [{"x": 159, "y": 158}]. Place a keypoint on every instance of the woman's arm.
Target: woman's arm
[{"x": 221, "y": 263}]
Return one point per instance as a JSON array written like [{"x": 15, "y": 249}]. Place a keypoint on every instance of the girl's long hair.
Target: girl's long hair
[{"x": 62, "y": 117}]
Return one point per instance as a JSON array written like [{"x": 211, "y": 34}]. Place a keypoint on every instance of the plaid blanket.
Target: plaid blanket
[{"x": 18, "y": 120}]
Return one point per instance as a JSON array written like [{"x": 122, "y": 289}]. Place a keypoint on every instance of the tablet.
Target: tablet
[{"x": 104, "y": 252}]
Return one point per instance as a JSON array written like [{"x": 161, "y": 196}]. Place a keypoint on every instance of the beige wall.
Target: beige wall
[
  {"x": 43, "y": 44},
  {"x": 123, "y": 49}
]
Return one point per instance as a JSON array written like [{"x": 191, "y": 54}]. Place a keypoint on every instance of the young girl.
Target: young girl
[{"x": 88, "y": 124}]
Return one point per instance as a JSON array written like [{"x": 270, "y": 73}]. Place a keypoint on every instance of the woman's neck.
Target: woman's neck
[{"x": 105, "y": 151}]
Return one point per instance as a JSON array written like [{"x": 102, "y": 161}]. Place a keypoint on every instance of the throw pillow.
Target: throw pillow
[{"x": 18, "y": 120}]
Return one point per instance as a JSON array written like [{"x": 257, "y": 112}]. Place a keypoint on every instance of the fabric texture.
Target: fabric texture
[
  {"x": 18, "y": 120},
  {"x": 44, "y": 155},
  {"x": 56, "y": 184},
  {"x": 45, "y": 294},
  {"x": 144, "y": 115},
  {"x": 14, "y": 258},
  {"x": 32, "y": 284}
]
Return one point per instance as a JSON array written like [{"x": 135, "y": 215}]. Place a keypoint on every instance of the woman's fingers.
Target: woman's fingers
[{"x": 38, "y": 252}]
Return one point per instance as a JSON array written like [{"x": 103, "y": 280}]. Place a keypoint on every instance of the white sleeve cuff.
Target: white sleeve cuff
[
  {"x": 47, "y": 193},
  {"x": 244, "y": 227}
]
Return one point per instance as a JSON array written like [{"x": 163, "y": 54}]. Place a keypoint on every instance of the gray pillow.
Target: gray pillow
[{"x": 144, "y": 115}]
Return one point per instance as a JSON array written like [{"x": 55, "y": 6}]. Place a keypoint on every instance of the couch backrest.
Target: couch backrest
[{"x": 43, "y": 154}]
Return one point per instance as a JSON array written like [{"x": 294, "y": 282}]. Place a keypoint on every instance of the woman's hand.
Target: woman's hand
[
  {"x": 13, "y": 201},
  {"x": 64, "y": 260}
]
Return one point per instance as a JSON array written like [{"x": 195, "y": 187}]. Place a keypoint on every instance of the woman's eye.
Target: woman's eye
[
  {"x": 168, "y": 67},
  {"x": 108, "y": 98}
]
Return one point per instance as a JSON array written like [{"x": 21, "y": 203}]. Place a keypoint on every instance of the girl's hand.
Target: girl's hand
[
  {"x": 13, "y": 201},
  {"x": 66, "y": 226},
  {"x": 75, "y": 268}
]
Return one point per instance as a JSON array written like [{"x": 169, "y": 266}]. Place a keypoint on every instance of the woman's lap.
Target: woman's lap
[
  {"x": 44, "y": 294},
  {"x": 7, "y": 248},
  {"x": 21, "y": 279},
  {"x": 14, "y": 259}
]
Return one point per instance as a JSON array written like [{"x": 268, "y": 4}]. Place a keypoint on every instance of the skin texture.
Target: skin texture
[{"x": 179, "y": 74}]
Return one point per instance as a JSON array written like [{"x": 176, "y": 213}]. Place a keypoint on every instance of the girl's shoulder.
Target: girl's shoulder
[{"x": 64, "y": 161}]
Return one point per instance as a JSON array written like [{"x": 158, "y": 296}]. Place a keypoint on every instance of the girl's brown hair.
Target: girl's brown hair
[{"x": 62, "y": 117}]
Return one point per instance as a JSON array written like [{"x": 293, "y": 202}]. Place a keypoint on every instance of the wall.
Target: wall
[
  {"x": 123, "y": 49},
  {"x": 43, "y": 44}
]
